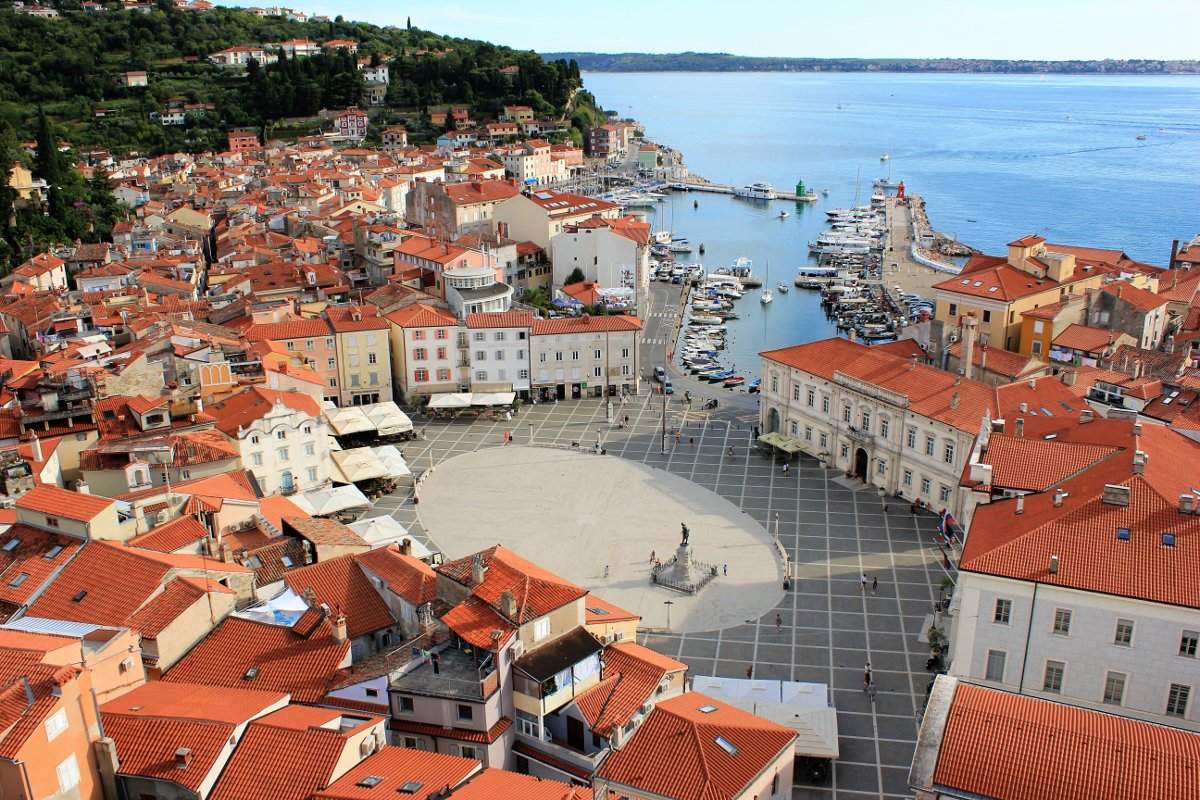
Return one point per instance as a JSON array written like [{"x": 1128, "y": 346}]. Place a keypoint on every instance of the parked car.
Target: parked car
[{"x": 660, "y": 374}]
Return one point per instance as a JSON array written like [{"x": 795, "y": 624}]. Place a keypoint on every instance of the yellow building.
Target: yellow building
[
  {"x": 997, "y": 290},
  {"x": 364, "y": 354}
]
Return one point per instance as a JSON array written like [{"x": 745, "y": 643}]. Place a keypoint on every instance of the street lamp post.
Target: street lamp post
[{"x": 668, "y": 604}]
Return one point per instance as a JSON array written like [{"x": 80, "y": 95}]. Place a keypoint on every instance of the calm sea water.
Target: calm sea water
[{"x": 996, "y": 157}]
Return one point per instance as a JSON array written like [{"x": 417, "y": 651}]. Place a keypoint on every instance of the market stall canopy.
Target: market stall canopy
[
  {"x": 387, "y": 418},
  {"x": 450, "y": 401},
  {"x": 803, "y": 707},
  {"x": 332, "y": 500},
  {"x": 283, "y": 609},
  {"x": 384, "y": 531},
  {"x": 493, "y": 398},
  {"x": 389, "y": 456},
  {"x": 345, "y": 421},
  {"x": 785, "y": 443},
  {"x": 359, "y": 464}
]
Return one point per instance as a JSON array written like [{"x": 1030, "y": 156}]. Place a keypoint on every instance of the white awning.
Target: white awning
[
  {"x": 345, "y": 421},
  {"x": 283, "y": 609},
  {"x": 329, "y": 501},
  {"x": 384, "y": 531},
  {"x": 389, "y": 456},
  {"x": 359, "y": 464},
  {"x": 493, "y": 398},
  {"x": 451, "y": 400},
  {"x": 387, "y": 418},
  {"x": 803, "y": 707}
]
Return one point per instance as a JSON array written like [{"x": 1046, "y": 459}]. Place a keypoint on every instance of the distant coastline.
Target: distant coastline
[{"x": 724, "y": 62}]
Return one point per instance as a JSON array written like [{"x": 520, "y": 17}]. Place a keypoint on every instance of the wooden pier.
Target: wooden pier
[{"x": 721, "y": 188}]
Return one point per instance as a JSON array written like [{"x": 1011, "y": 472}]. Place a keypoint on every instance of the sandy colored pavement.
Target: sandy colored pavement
[{"x": 619, "y": 511}]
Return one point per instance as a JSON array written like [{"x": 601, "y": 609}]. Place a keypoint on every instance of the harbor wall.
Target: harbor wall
[{"x": 929, "y": 262}]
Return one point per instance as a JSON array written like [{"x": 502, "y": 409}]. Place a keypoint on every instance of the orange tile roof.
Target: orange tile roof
[
  {"x": 679, "y": 733},
  {"x": 172, "y": 536},
  {"x": 282, "y": 331},
  {"x": 341, "y": 319},
  {"x": 598, "y": 611},
  {"x": 246, "y": 407},
  {"x": 1063, "y": 752},
  {"x": 477, "y": 623},
  {"x": 408, "y": 577},
  {"x": 930, "y": 391},
  {"x": 319, "y": 530},
  {"x": 492, "y": 784},
  {"x": 193, "y": 701},
  {"x": 1039, "y": 464},
  {"x": 286, "y": 661},
  {"x": 177, "y": 596},
  {"x": 278, "y": 760},
  {"x": 537, "y": 591},
  {"x": 29, "y": 558},
  {"x": 58, "y": 502},
  {"x": 501, "y": 319},
  {"x": 420, "y": 315},
  {"x": 631, "y": 677},
  {"x": 1084, "y": 338},
  {"x": 146, "y": 747},
  {"x": 1145, "y": 300},
  {"x": 398, "y": 766},
  {"x": 341, "y": 585},
  {"x": 1082, "y": 532},
  {"x": 458, "y": 734},
  {"x": 586, "y": 324},
  {"x": 1001, "y": 282},
  {"x": 997, "y": 360}
]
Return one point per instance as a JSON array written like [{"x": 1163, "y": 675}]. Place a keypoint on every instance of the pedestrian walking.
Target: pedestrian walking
[
  {"x": 691, "y": 440},
  {"x": 510, "y": 437},
  {"x": 862, "y": 579},
  {"x": 874, "y": 584},
  {"x": 505, "y": 437},
  {"x": 750, "y": 672},
  {"x": 677, "y": 437},
  {"x": 871, "y": 691},
  {"x": 778, "y": 623},
  {"x": 913, "y": 509},
  {"x": 725, "y": 569},
  {"x": 652, "y": 556},
  {"x": 437, "y": 663},
  {"x": 606, "y": 570},
  {"x": 867, "y": 676},
  {"x": 785, "y": 469}
]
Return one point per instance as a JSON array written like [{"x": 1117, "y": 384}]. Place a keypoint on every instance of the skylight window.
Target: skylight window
[
  {"x": 707, "y": 709},
  {"x": 410, "y": 787},
  {"x": 370, "y": 781},
  {"x": 11, "y": 545},
  {"x": 1168, "y": 540},
  {"x": 597, "y": 610},
  {"x": 17, "y": 581},
  {"x": 287, "y": 561},
  {"x": 726, "y": 745},
  {"x": 966, "y": 281},
  {"x": 53, "y": 551},
  {"x": 1046, "y": 411},
  {"x": 1123, "y": 534},
  {"x": 250, "y": 674},
  {"x": 976, "y": 284},
  {"x": 993, "y": 289}
]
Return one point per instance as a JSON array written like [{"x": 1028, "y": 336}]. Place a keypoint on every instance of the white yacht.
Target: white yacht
[
  {"x": 756, "y": 191},
  {"x": 766, "y": 297}
]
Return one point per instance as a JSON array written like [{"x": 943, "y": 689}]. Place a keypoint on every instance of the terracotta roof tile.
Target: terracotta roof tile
[
  {"x": 341, "y": 319},
  {"x": 420, "y": 315},
  {"x": 1063, "y": 752},
  {"x": 598, "y": 611},
  {"x": 458, "y": 734},
  {"x": 398, "y": 766},
  {"x": 537, "y": 591},
  {"x": 678, "y": 731},
  {"x": 286, "y": 662},
  {"x": 408, "y": 577},
  {"x": 492, "y": 784},
  {"x": 172, "y": 536},
  {"x": 324, "y": 531},
  {"x": 1039, "y": 464},
  {"x": 1082, "y": 337},
  {"x": 631, "y": 677},
  {"x": 244, "y": 408},
  {"x": 29, "y": 558},
  {"x": 341, "y": 585},
  {"x": 501, "y": 319},
  {"x": 58, "y": 502},
  {"x": 147, "y": 747},
  {"x": 477, "y": 623},
  {"x": 193, "y": 701},
  {"x": 177, "y": 596},
  {"x": 586, "y": 324},
  {"x": 1140, "y": 298}
]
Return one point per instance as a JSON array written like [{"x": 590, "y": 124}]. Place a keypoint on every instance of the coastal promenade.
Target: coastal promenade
[
  {"x": 899, "y": 266},
  {"x": 823, "y": 629}
]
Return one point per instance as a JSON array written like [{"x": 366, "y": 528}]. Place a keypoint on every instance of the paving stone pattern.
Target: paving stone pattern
[{"x": 830, "y": 628}]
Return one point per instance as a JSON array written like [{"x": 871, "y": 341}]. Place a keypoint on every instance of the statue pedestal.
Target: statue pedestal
[{"x": 684, "y": 571}]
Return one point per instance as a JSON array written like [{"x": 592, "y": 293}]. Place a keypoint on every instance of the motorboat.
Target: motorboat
[
  {"x": 885, "y": 156},
  {"x": 766, "y": 297},
  {"x": 783, "y": 215},
  {"x": 756, "y": 191},
  {"x": 717, "y": 377},
  {"x": 706, "y": 319},
  {"x": 742, "y": 269},
  {"x": 752, "y": 387},
  {"x": 782, "y": 288},
  {"x": 679, "y": 247},
  {"x": 885, "y": 183},
  {"x": 1141, "y": 137},
  {"x": 825, "y": 191},
  {"x": 736, "y": 380}
]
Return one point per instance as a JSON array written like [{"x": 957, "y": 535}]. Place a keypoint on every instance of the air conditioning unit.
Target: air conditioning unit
[
  {"x": 8, "y": 502},
  {"x": 518, "y": 649},
  {"x": 127, "y": 664},
  {"x": 161, "y": 517},
  {"x": 367, "y": 747},
  {"x": 248, "y": 524},
  {"x": 610, "y": 638},
  {"x": 953, "y": 338}
]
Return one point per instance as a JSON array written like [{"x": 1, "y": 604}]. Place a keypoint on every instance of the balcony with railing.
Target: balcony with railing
[
  {"x": 458, "y": 675},
  {"x": 543, "y": 740},
  {"x": 859, "y": 435}
]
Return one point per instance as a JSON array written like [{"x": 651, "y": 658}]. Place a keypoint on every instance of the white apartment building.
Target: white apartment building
[
  {"x": 585, "y": 356},
  {"x": 899, "y": 425},
  {"x": 613, "y": 252},
  {"x": 499, "y": 346},
  {"x": 281, "y": 436},
  {"x": 1085, "y": 592},
  {"x": 530, "y": 163}
]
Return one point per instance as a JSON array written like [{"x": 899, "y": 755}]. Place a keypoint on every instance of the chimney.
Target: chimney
[
  {"x": 1139, "y": 462},
  {"x": 586, "y": 319},
  {"x": 913, "y": 363},
  {"x": 1174, "y": 254},
  {"x": 406, "y": 547},
  {"x": 508, "y": 605},
  {"x": 1020, "y": 504},
  {"x": 954, "y": 400},
  {"x": 982, "y": 358},
  {"x": 1137, "y": 368},
  {"x": 1059, "y": 496},
  {"x": 968, "y": 345},
  {"x": 478, "y": 569},
  {"x": 1187, "y": 504},
  {"x": 1115, "y": 495},
  {"x": 958, "y": 378},
  {"x": 183, "y": 757},
  {"x": 1137, "y": 429},
  {"x": 1019, "y": 430},
  {"x": 1086, "y": 416},
  {"x": 340, "y": 633},
  {"x": 1024, "y": 407},
  {"x": 1053, "y": 565},
  {"x": 998, "y": 426},
  {"x": 1068, "y": 377},
  {"x": 36, "y": 444}
]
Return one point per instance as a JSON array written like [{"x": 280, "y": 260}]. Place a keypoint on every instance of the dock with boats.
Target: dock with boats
[{"x": 807, "y": 196}]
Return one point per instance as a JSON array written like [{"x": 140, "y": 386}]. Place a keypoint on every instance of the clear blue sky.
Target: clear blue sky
[{"x": 1037, "y": 29}]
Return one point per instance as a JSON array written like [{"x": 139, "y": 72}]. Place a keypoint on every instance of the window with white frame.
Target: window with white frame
[
  {"x": 866, "y": 421},
  {"x": 1188, "y": 642},
  {"x": 1052, "y": 678},
  {"x": 995, "y": 665},
  {"x": 925, "y": 486},
  {"x": 256, "y": 459},
  {"x": 774, "y": 383},
  {"x": 912, "y": 438},
  {"x": 481, "y": 375},
  {"x": 824, "y": 440},
  {"x": 881, "y": 467},
  {"x": 948, "y": 453},
  {"x": 944, "y": 494},
  {"x": 1114, "y": 688},
  {"x": 541, "y": 628},
  {"x": 1177, "y": 700},
  {"x": 1002, "y": 614},
  {"x": 1124, "y": 633},
  {"x": 846, "y": 412},
  {"x": 884, "y": 427},
  {"x": 807, "y": 433},
  {"x": 56, "y": 723},
  {"x": 68, "y": 774},
  {"x": 812, "y": 397},
  {"x": 796, "y": 393},
  {"x": 1062, "y": 622},
  {"x": 845, "y": 451},
  {"x": 824, "y": 405},
  {"x": 930, "y": 444},
  {"x": 908, "y": 477}
]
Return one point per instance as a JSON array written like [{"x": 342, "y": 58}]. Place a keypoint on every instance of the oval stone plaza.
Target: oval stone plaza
[{"x": 576, "y": 514}]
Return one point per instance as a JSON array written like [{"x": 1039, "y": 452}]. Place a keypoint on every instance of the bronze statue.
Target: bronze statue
[{"x": 686, "y": 532}]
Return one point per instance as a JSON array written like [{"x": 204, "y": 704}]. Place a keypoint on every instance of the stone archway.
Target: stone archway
[
  {"x": 772, "y": 421},
  {"x": 860, "y": 463}
]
